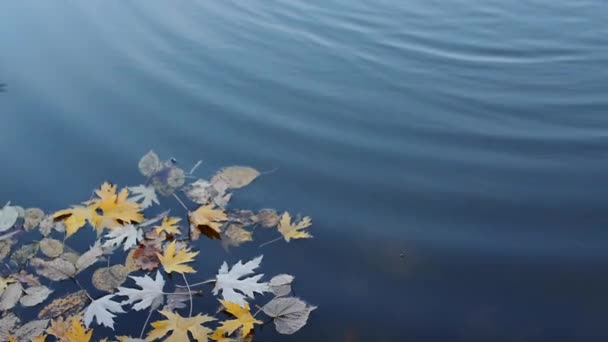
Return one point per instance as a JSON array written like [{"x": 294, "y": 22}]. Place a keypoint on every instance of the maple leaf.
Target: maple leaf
[
  {"x": 116, "y": 208},
  {"x": 244, "y": 319},
  {"x": 294, "y": 231},
  {"x": 169, "y": 225},
  {"x": 59, "y": 328},
  {"x": 145, "y": 194},
  {"x": 39, "y": 338},
  {"x": 179, "y": 326},
  {"x": 149, "y": 296},
  {"x": 77, "y": 331},
  {"x": 75, "y": 218},
  {"x": 144, "y": 257},
  {"x": 207, "y": 216},
  {"x": 228, "y": 281},
  {"x": 127, "y": 235},
  {"x": 218, "y": 335},
  {"x": 173, "y": 262},
  {"x": 103, "y": 310}
]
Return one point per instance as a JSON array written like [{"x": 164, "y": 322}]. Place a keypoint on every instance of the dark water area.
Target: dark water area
[{"x": 453, "y": 155}]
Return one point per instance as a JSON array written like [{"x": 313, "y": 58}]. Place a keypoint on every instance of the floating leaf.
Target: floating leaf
[
  {"x": 24, "y": 253},
  {"x": 66, "y": 305},
  {"x": 236, "y": 176},
  {"x": 5, "y": 248},
  {"x": 234, "y": 235},
  {"x": 30, "y": 330},
  {"x": 102, "y": 310},
  {"x": 178, "y": 327},
  {"x": 35, "y": 295},
  {"x": 244, "y": 319},
  {"x": 175, "y": 262},
  {"x": 207, "y": 216},
  {"x": 268, "y": 218},
  {"x": 78, "y": 332},
  {"x": 89, "y": 257},
  {"x": 218, "y": 335},
  {"x": 290, "y": 314},
  {"x": 127, "y": 235},
  {"x": 8, "y": 217},
  {"x": 46, "y": 225},
  {"x": 59, "y": 328},
  {"x": 109, "y": 278},
  {"x": 177, "y": 300},
  {"x": 294, "y": 231},
  {"x": 145, "y": 194},
  {"x": 4, "y": 283},
  {"x": 228, "y": 281},
  {"x": 51, "y": 247},
  {"x": 169, "y": 225},
  {"x": 145, "y": 257},
  {"x": 116, "y": 209},
  {"x": 26, "y": 278},
  {"x": 56, "y": 269},
  {"x": 32, "y": 218},
  {"x": 149, "y": 296},
  {"x": 281, "y": 284},
  {"x": 75, "y": 218},
  {"x": 10, "y": 296},
  {"x": 149, "y": 164},
  {"x": 8, "y": 324}
]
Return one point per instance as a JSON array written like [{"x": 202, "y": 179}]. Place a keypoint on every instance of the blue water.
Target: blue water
[{"x": 453, "y": 154}]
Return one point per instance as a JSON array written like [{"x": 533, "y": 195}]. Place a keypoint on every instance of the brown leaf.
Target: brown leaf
[
  {"x": 109, "y": 278},
  {"x": 145, "y": 255},
  {"x": 51, "y": 247},
  {"x": 236, "y": 176},
  {"x": 234, "y": 235},
  {"x": 268, "y": 218},
  {"x": 33, "y": 217},
  {"x": 67, "y": 305},
  {"x": 5, "y": 248}
]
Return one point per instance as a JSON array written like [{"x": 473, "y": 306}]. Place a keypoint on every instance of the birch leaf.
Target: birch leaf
[
  {"x": 102, "y": 310},
  {"x": 128, "y": 236},
  {"x": 109, "y": 278},
  {"x": 66, "y": 305},
  {"x": 149, "y": 296},
  {"x": 56, "y": 269},
  {"x": 89, "y": 257},
  {"x": 51, "y": 247},
  {"x": 145, "y": 195},
  {"x": 290, "y": 314},
  {"x": 281, "y": 284},
  {"x": 236, "y": 176},
  {"x": 178, "y": 327},
  {"x": 229, "y": 281},
  {"x": 32, "y": 218},
  {"x": 4, "y": 283},
  {"x": 10, "y": 296},
  {"x": 35, "y": 295},
  {"x": 244, "y": 319},
  {"x": 8, "y": 217},
  {"x": 30, "y": 330},
  {"x": 149, "y": 164},
  {"x": 294, "y": 230}
]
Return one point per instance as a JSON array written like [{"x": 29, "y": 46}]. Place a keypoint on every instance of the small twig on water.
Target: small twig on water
[
  {"x": 180, "y": 202},
  {"x": 198, "y": 163},
  {"x": 189, "y": 293},
  {"x": 271, "y": 241},
  {"x": 197, "y": 284}
]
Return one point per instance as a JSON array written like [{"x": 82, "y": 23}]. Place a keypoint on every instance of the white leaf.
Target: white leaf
[
  {"x": 149, "y": 164},
  {"x": 281, "y": 284},
  {"x": 29, "y": 330},
  {"x": 89, "y": 257},
  {"x": 56, "y": 269},
  {"x": 145, "y": 194},
  {"x": 127, "y": 235},
  {"x": 10, "y": 296},
  {"x": 150, "y": 295},
  {"x": 7, "y": 324},
  {"x": 35, "y": 295},
  {"x": 236, "y": 176},
  {"x": 8, "y": 217},
  {"x": 290, "y": 314},
  {"x": 228, "y": 281},
  {"x": 103, "y": 310}
]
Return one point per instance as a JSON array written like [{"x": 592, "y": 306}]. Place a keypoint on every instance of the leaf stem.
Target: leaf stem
[
  {"x": 180, "y": 201},
  {"x": 271, "y": 241},
  {"x": 196, "y": 284},
  {"x": 189, "y": 293},
  {"x": 143, "y": 328}
]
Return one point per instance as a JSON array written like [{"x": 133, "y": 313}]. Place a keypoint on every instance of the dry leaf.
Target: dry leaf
[
  {"x": 51, "y": 247},
  {"x": 10, "y": 296},
  {"x": 294, "y": 231},
  {"x": 228, "y": 281},
  {"x": 8, "y": 217},
  {"x": 32, "y": 218},
  {"x": 35, "y": 295},
  {"x": 75, "y": 218},
  {"x": 116, "y": 209},
  {"x": 4, "y": 283},
  {"x": 149, "y": 296},
  {"x": 169, "y": 226},
  {"x": 127, "y": 235},
  {"x": 177, "y": 300},
  {"x": 234, "y": 235},
  {"x": 89, "y": 257},
  {"x": 175, "y": 262},
  {"x": 8, "y": 324},
  {"x": 145, "y": 194},
  {"x": 56, "y": 269},
  {"x": 102, "y": 310},
  {"x": 59, "y": 328},
  {"x": 244, "y": 319},
  {"x": 281, "y": 284},
  {"x": 290, "y": 314},
  {"x": 78, "y": 332},
  {"x": 30, "y": 330},
  {"x": 218, "y": 335},
  {"x": 26, "y": 278},
  {"x": 5, "y": 248},
  {"x": 66, "y": 305},
  {"x": 207, "y": 216},
  {"x": 145, "y": 257},
  {"x": 109, "y": 278},
  {"x": 268, "y": 218},
  {"x": 24, "y": 253},
  {"x": 149, "y": 164},
  {"x": 178, "y": 327},
  {"x": 236, "y": 176}
]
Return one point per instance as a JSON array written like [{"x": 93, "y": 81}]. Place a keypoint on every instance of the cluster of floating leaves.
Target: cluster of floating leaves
[{"x": 157, "y": 247}]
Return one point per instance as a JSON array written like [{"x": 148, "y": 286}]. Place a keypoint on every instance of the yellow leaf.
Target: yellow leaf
[
  {"x": 218, "y": 335},
  {"x": 294, "y": 231},
  {"x": 179, "y": 327},
  {"x": 75, "y": 218},
  {"x": 169, "y": 225},
  {"x": 173, "y": 262},
  {"x": 205, "y": 215},
  {"x": 59, "y": 328},
  {"x": 39, "y": 338},
  {"x": 243, "y": 319},
  {"x": 116, "y": 209},
  {"x": 11, "y": 339},
  {"x": 78, "y": 332}
]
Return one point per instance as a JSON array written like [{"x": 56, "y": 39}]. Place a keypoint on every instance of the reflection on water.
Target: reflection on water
[{"x": 467, "y": 136}]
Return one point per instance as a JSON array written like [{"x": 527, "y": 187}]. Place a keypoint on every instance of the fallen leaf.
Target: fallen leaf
[
  {"x": 244, "y": 319},
  {"x": 35, "y": 295},
  {"x": 149, "y": 296},
  {"x": 218, "y": 335},
  {"x": 78, "y": 332},
  {"x": 8, "y": 217},
  {"x": 56, "y": 269},
  {"x": 145, "y": 257},
  {"x": 149, "y": 164},
  {"x": 178, "y": 327},
  {"x": 144, "y": 195},
  {"x": 30, "y": 330},
  {"x": 26, "y": 278},
  {"x": 207, "y": 216},
  {"x": 51, "y": 247},
  {"x": 294, "y": 231},
  {"x": 290, "y": 314},
  {"x": 169, "y": 225},
  {"x": 116, "y": 209},
  {"x": 59, "y": 328},
  {"x": 102, "y": 310},
  {"x": 236, "y": 176},
  {"x": 4, "y": 283},
  {"x": 46, "y": 225},
  {"x": 75, "y": 218},
  {"x": 89, "y": 257},
  {"x": 10, "y": 296},
  {"x": 8, "y": 323},
  {"x": 173, "y": 262},
  {"x": 127, "y": 235},
  {"x": 24, "y": 253},
  {"x": 109, "y": 278},
  {"x": 65, "y": 305},
  {"x": 268, "y": 218},
  {"x": 5, "y": 248},
  {"x": 177, "y": 300},
  {"x": 32, "y": 218},
  {"x": 281, "y": 284},
  {"x": 234, "y": 235},
  {"x": 228, "y": 281}
]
